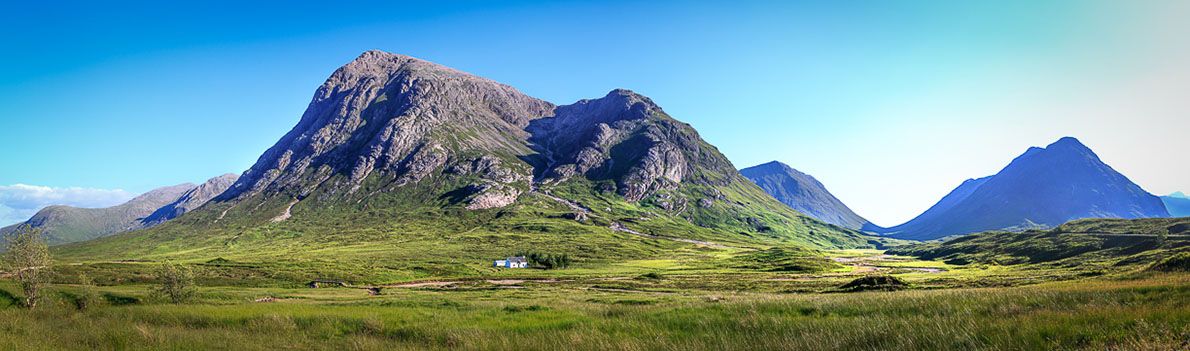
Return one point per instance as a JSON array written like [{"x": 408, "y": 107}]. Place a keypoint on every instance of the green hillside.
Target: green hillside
[
  {"x": 396, "y": 236},
  {"x": 1085, "y": 244}
]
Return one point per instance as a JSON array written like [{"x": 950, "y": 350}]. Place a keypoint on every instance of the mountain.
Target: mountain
[
  {"x": 1177, "y": 204},
  {"x": 66, "y": 224},
  {"x": 394, "y": 151},
  {"x": 803, "y": 193},
  {"x": 1044, "y": 187},
  {"x": 191, "y": 199}
]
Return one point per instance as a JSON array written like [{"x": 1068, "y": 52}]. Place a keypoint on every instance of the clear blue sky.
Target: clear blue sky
[{"x": 890, "y": 103}]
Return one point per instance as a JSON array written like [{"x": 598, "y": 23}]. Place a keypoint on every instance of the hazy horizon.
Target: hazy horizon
[{"x": 889, "y": 105}]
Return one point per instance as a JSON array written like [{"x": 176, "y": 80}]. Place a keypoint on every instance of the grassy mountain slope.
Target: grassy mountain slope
[{"x": 1080, "y": 243}]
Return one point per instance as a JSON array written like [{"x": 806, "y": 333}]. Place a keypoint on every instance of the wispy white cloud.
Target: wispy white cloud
[{"x": 18, "y": 202}]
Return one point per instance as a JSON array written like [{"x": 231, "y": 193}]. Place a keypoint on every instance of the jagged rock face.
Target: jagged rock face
[
  {"x": 191, "y": 199},
  {"x": 393, "y": 115},
  {"x": 627, "y": 138}
]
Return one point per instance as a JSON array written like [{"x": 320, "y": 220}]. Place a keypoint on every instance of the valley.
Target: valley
[
  {"x": 702, "y": 298},
  {"x": 415, "y": 206}
]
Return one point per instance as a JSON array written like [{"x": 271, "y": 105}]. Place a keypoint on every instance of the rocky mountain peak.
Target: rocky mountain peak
[
  {"x": 1068, "y": 141},
  {"x": 394, "y": 115},
  {"x": 773, "y": 166},
  {"x": 626, "y": 137}
]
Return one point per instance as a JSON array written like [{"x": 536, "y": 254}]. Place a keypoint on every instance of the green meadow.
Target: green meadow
[
  {"x": 712, "y": 299},
  {"x": 1084, "y": 286}
]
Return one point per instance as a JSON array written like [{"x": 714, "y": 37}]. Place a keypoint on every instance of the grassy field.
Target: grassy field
[
  {"x": 1130, "y": 292},
  {"x": 715, "y": 299},
  {"x": 1137, "y": 311}
]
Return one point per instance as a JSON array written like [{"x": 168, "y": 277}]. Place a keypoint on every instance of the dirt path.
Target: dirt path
[{"x": 423, "y": 284}]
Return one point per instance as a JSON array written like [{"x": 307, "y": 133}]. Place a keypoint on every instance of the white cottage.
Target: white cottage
[{"x": 512, "y": 262}]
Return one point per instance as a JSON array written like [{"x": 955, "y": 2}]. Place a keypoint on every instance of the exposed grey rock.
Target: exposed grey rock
[
  {"x": 393, "y": 115},
  {"x": 490, "y": 168},
  {"x": 424, "y": 161},
  {"x": 705, "y": 202},
  {"x": 493, "y": 196},
  {"x": 626, "y": 137}
]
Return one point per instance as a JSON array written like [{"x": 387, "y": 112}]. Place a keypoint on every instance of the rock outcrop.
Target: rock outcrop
[{"x": 627, "y": 138}]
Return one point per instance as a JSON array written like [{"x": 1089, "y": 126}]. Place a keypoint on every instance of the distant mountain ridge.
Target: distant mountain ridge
[
  {"x": 66, "y": 224},
  {"x": 191, "y": 199},
  {"x": 804, "y": 193},
  {"x": 1044, "y": 187},
  {"x": 1177, "y": 204}
]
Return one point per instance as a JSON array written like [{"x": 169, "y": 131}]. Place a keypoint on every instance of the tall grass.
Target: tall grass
[{"x": 1149, "y": 313}]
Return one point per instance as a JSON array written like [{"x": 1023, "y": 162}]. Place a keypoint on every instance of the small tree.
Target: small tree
[
  {"x": 176, "y": 282},
  {"x": 28, "y": 258}
]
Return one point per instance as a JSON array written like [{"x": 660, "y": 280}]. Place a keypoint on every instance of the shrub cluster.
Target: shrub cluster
[{"x": 547, "y": 261}]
